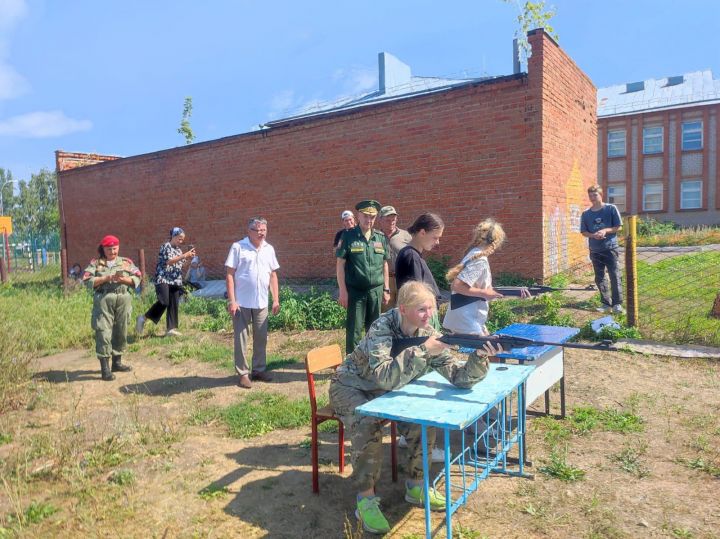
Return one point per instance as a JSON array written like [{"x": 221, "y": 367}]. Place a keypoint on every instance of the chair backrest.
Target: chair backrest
[{"x": 319, "y": 359}]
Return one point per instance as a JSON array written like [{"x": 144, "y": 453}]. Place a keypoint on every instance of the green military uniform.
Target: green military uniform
[
  {"x": 369, "y": 371},
  {"x": 112, "y": 305},
  {"x": 364, "y": 278}
]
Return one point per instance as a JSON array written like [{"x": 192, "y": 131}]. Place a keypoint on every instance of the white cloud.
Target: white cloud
[
  {"x": 356, "y": 80},
  {"x": 11, "y": 11},
  {"x": 12, "y": 84},
  {"x": 42, "y": 125}
]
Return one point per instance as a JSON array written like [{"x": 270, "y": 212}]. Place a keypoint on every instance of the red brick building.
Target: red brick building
[
  {"x": 520, "y": 148},
  {"x": 659, "y": 142}
]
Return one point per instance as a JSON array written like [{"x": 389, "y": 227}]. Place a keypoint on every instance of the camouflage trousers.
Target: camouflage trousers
[
  {"x": 110, "y": 317},
  {"x": 366, "y": 437}
]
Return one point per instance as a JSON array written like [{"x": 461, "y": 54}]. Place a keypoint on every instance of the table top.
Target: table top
[
  {"x": 557, "y": 334},
  {"x": 433, "y": 401}
]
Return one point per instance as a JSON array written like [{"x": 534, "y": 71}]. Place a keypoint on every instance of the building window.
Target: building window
[
  {"x": 616, "y": 143},
  {"x": 692, "y": 135},
  {"x": 652, "y": 197},
  {"x": 616, "y": 195},
  {"x": 652, "y": 140},
  {"x": 691, "y": 195}
]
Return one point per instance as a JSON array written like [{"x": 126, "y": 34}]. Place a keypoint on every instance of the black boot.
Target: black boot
[
  {"x": 117, "y": 365},
  {"x": 107, "y": 374}
]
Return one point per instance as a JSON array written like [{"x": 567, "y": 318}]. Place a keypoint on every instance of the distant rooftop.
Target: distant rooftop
[
  {"x": 685, "y": 90},
  {"x": 395, "y": 82}
]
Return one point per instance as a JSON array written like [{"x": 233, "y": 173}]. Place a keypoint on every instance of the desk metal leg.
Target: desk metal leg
[
  {"x": 562, "y": 397},
  {"x": 426, "y": 480},
  {"x": 448, "y": 499}
]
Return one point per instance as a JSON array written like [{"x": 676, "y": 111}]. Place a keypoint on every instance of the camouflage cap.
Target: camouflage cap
[{"x": 387, "y": 210}]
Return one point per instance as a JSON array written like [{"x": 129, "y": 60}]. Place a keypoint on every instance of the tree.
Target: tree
[
  {"x": 532, "y": 15},
  {"x": 185, "y": 130},
  {"x": 35, "y": 209}
]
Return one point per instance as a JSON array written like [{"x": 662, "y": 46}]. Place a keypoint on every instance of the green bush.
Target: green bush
[
  {"x": 439, "y": 267},
  {"x": 550, "y": 314},
  {"x": 310, "y": 310},
  {"x": 512, "y": 279},
  {"x": 500, "y": 316},
  {"x": 648, "y": 226}
]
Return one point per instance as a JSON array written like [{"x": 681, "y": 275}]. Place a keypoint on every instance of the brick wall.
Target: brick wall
[{"x": 466, "y": 153}]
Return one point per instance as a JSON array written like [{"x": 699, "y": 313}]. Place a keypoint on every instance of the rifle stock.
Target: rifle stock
[{"x": 508, "y": 342}]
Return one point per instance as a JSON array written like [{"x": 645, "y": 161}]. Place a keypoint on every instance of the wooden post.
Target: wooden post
[
  {"x": 64, "y": 270},
  {"x": 141, "y": 265},
  {"x": 3, "y": 273},
  {"x": 716, "y": 307},
  {"x": 631, "y": 271}
]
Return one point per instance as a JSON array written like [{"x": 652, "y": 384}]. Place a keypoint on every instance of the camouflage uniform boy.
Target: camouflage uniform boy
[
  {"x": 369, "y": 371},
  {"x": 111, "y": 277}
]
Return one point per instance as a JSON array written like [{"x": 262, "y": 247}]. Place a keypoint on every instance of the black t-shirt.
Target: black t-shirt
[
  {"x": 410, "y": 266},
  {"x": 337, "y": 237}
]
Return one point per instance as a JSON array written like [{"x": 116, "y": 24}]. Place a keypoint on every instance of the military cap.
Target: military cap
[
  {"x": 109, "y": 241},
  {"x": 370, "y": 207},
  {"x": 387, "y": 210}
]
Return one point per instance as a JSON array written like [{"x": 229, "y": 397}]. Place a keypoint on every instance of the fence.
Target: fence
[{"x": 676, "y": 287}]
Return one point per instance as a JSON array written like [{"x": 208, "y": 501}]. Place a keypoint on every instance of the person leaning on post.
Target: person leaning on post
[
  {"x": 362, "y": 273},
  {"x": 370, "y": 371},
  {"x": 111, "y": 277}
]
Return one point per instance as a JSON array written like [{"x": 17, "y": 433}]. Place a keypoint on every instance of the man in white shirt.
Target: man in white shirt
[{"x": 251, "y": 268}]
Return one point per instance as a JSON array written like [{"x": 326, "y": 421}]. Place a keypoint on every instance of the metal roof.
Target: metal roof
[
  {"x": 689, "y": 89},
  {"x": 396, "y": 82}
]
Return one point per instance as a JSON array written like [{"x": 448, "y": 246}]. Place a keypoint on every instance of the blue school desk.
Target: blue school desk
[
  {"x": 432, "y": 401},
  {"x": 548, "y": 360}
]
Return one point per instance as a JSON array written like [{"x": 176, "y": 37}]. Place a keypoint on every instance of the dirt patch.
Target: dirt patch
[{"x": 196, "y": 481}]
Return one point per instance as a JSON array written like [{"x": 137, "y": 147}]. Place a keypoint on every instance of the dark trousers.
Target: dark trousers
[
  {"x": 168, "y": 298},
  {"x": 608, "y": 260},
  {"x": 363, "y": 309}
]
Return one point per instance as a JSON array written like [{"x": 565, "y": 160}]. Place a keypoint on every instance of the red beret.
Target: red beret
[{"x": 109, "y": 241}]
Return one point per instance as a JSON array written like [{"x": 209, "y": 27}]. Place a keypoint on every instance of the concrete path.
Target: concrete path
[{"x": 670, "y": 350}]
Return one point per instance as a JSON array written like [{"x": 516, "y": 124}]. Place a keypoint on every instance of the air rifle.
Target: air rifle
[
  {"x": 506, "y": 341},
  {"x": 460, "y": 300}
]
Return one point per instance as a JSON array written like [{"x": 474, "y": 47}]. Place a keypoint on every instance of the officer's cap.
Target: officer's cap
[
  {"x": 387, "y": 210},
  {"x": 110, "y": 241},
  {"x": 369, "y": 207}
]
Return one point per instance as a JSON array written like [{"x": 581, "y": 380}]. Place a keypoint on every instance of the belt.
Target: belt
[{"x": 120, "y": 289}]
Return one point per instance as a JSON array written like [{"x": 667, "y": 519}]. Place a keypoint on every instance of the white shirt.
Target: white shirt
[
  {"x": 471, "y": 318},
  {"x": 252, "y": 272}
]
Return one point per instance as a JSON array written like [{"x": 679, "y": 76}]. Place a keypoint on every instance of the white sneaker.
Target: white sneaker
[
  {"x": 603, "y": 309},
  {"x": 618, "y": 309},
  {"x": 402, "y": 442},
  {"x": 438, "y": 455},
  {"x": 140, "y": 324},
  {"x": 173, "y": 333}
]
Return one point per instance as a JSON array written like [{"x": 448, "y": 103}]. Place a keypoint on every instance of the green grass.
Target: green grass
[
  {"x": 558, "y": 468},
  {"x": 675, "y": 298},
  {"x": 213, "y": 492},
  {"x": 587, "y": 418},
  {"x": 630, "y": 459},
  {"x": 122, "y": 477}
]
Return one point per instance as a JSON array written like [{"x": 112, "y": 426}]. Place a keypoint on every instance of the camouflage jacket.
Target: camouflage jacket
[
  {"x": 98, "y": 267},
  {"x": 371, "y": 368}
]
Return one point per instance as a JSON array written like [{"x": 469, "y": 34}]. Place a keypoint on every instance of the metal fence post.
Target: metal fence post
[{"x": 631, "y": 284}]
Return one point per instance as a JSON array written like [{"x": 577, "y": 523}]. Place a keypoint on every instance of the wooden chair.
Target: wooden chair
[{"x": 318, "y": 359}]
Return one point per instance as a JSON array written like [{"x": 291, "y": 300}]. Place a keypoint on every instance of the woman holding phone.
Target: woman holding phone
[
  {"x": 111, "y": 277},
  {"x": 168, "y": 283}
]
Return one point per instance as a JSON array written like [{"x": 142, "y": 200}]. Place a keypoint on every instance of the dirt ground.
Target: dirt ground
[{"x": 261, "y": 487}]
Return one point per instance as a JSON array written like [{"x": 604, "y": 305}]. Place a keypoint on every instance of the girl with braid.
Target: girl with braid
[{"x": 472, "y": 277}]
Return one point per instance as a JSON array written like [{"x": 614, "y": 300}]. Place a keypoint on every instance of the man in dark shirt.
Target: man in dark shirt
[{"x": 600, "y": 224}]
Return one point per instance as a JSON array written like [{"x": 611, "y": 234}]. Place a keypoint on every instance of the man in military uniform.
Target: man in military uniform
[
  {"x": 111, "y": 277},
  {"x": 397, "y": 238},
  {"x": 362, "y": 273}
]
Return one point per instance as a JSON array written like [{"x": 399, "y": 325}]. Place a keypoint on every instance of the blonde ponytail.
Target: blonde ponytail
[{"x": 489, "y": 236}]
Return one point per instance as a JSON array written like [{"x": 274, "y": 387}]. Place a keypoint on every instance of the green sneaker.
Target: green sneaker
[
  {"x": 415, "y": 496},
  {"x": 368, "y": 512}
]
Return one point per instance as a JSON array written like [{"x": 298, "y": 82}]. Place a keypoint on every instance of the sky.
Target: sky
[{"x": 111, "y": 77}]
